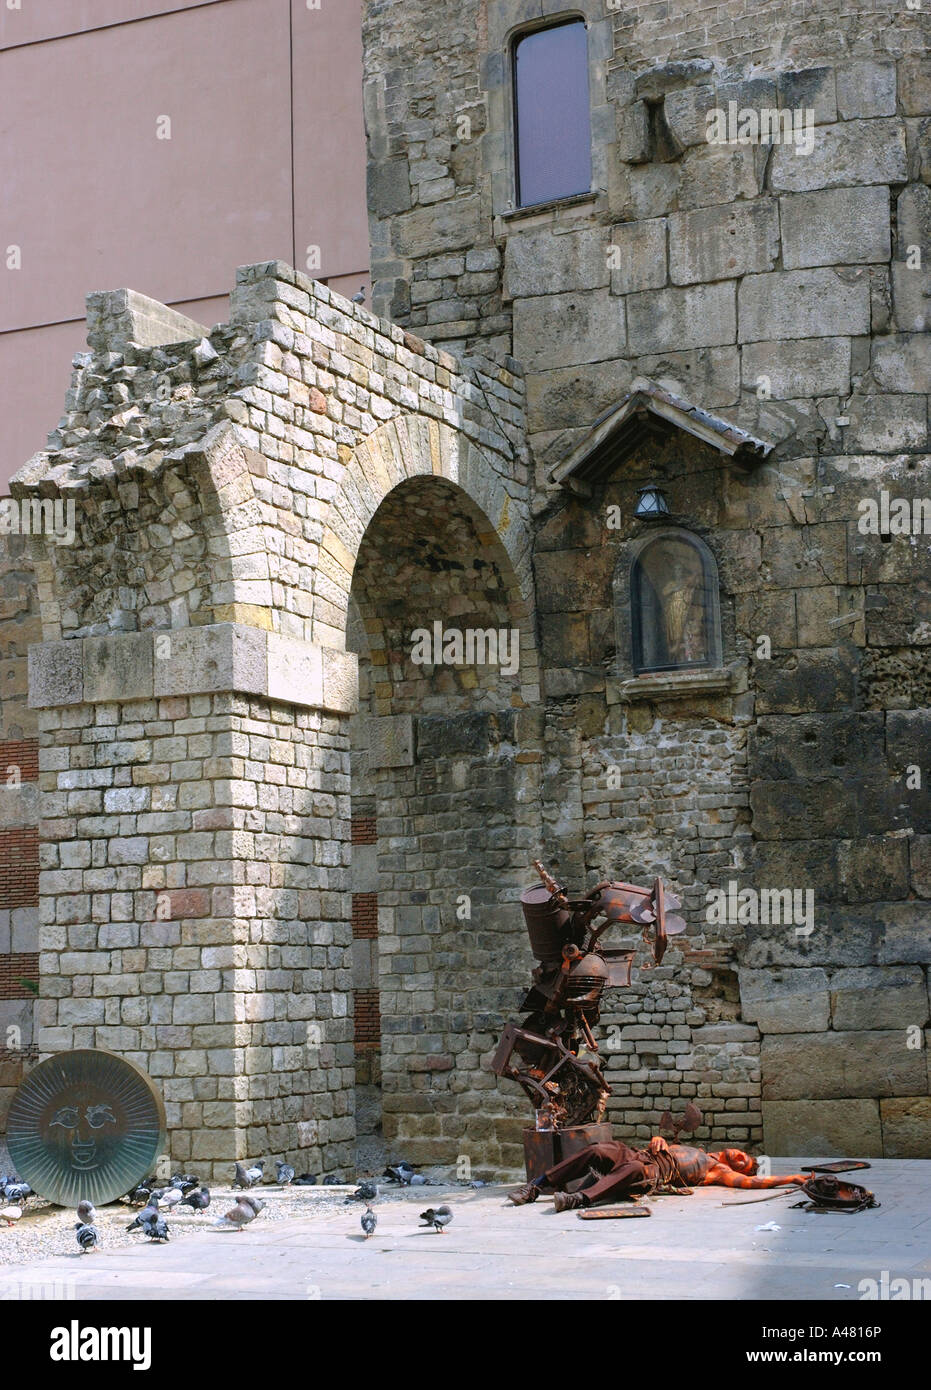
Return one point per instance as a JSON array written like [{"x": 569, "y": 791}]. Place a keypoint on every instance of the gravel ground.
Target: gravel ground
[{"x": 45, "y": 1230}]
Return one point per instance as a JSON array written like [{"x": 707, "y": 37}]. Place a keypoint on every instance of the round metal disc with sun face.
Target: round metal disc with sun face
[{"x": 85, "y": 1124}]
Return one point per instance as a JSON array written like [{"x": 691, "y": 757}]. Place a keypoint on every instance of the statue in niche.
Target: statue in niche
[{"x": 670, "y": 596}]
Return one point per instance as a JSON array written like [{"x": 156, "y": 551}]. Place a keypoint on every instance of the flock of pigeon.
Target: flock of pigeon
[{"x": 185, "y": 1190}]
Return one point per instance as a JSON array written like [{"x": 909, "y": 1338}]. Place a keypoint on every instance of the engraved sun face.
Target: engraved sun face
[{"x": 81, "y": 1122}]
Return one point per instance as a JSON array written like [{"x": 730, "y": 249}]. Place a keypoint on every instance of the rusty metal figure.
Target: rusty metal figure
[{"x": 553, "y": 1054}]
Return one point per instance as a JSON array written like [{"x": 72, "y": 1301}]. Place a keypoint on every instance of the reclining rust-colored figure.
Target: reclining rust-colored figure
[{"x": 615, "y": 1170}]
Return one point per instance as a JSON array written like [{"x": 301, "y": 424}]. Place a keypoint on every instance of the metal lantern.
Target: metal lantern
[{"x": 651, "y": 503}]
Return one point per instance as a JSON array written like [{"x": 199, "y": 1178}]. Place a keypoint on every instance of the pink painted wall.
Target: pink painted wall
[{"x": 96, "y": 201}]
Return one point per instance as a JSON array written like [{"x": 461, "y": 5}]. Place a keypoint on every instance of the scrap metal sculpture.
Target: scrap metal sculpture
[{"x": 553, "y": 1054}]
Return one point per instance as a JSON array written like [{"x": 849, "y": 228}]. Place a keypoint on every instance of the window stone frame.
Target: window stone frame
[{"x": 509, "y": 20}]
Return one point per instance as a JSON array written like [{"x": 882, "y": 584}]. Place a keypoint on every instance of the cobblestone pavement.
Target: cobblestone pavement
[{"x": 691, "y": 1248}]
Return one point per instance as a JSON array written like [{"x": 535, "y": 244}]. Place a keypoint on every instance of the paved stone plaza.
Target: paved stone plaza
[{"x": 691, "y": 1248}]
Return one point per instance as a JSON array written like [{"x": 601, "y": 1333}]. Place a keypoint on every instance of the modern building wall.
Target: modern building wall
[{"x": 154, "y": 145}]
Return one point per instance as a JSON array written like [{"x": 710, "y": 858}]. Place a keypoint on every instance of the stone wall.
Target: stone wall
[
  {"x": 196, "y": 694},
  {"x": 19, "y": 817},
  {"x": 783, "y": 290}
]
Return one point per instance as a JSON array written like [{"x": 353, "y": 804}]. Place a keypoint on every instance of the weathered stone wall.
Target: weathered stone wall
[
  {"x": 19, "y": 818},
  {"x": 781, "y": 289},
  {"x": 196, "y": 690}
]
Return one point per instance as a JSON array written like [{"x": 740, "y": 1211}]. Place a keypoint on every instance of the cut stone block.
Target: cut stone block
[
  {"x": 699, "y": 316},
  {"x": 845, "y": 155},
  {"x": 874, "y": 997},
  {"x": 803, "y": 304},
  {"x": 295, "y": 671},
  {"x": 340, "y": 681},
  {"x": 886, "y": 424},
  {"x": 785, "y": 1001},
  {"x": 836, "y": 226},
  {"x": 389, "y": 740},
  {"x": 542, "y": 261},
  {"x": 563, "y": 329},
  {"x": 716, "y": 243},
  {"x": 118, "y": 667},
  {"x": 640, "y": 256},
  {"x": 902, "y": 362},
  {"x": 199, "y": 661},
  {"x": 847, "y": 1128},
  {"x": 831, "y": 1066},
  {"x": 866, "y": 88},
  {"x": 56, "y": 674},
  {"x": 116, "y": 318},
  {"x": 913, "y": 219},
  {"x": 794, "y": 370},
  {"x": 911, "y": 298},
  {"x": 906, "y": 1126}
]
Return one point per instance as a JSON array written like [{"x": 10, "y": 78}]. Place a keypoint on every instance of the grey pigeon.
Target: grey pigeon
[
  {"x": 17, "y": 1192},
  {"x": 438, "y": 1218},
  {"x": 285, "y": 1173},
  {"x": 369, "y": 1222},
  {"x": 306, "y": 1180},
  {"x": 400, "y": 1172},
  {"x": 248, "y": 1177},
  {"x": 246, "y": 1209},
  {"x": 171, "y": 1199},
  {"x": 186, "y": 1181},
  {"x": 332, "y": 1180},
  {"x": 156, "y": 1230},
  {"x": 86, "y": 1213},
  {"x": 359, "y": 296},
  {"x": 367, "y": 1191},
  {"x": 418, "y": 1180},
  {"x": 86, "y": 1236},
  {"x": 197, "y": 1201},
  {"x": 148, "y": 1214}
]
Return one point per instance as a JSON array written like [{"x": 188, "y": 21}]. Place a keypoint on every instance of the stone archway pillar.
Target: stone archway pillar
[{"x": 194, "y": 891}]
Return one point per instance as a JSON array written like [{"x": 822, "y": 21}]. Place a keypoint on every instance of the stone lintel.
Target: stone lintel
[{"x": 207, "y": 660}]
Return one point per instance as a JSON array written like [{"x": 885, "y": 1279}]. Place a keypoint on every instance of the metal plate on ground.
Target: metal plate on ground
[
  {"x": 85, "y": 1124},
  {"x": 612, "y": 1213}
]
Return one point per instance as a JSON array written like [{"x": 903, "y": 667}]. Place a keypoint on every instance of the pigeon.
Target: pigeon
[
  {"x": 17, "y": 1192},
  {"x": 171, "y": 1199},
  {"x": 437, "y": 1219},
  {"x": 87, "y": 1214},
  {"x": 156, "y": 1230},
  {"x": 359, "y": 296},
  {"x": 249, "y": 1177},
  {"x": 246, "y": 1209},
  {"x": 186, "y": 1181},
  {"x": 197, "y": 1201},
  {"x": 144, "y": 1218},
  {"x": 332, "y": 1180},
  {"x": 285, "y": 1173},
  {"x": 418, "y": 1180},
  {"x": 400, "y": 1172},
  {"x": 140, "y": 1195},
  {"x": 306, "y": 1180},
  {"x": 10, "y": 1214},
  {"x": 369, "y": 1222},
  {"x": 86, "y": 1236},
  {"x": 367, "y": 1191}
]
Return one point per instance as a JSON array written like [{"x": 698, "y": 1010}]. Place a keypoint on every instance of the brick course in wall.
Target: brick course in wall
[
  {"x": 19, "y": 867},
  {"x": 15, "y": 969}
]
